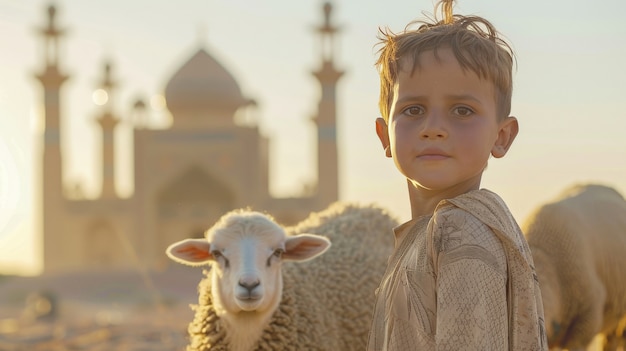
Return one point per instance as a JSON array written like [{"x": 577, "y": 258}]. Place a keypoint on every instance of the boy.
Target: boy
[{"x": 461, "y": 276}]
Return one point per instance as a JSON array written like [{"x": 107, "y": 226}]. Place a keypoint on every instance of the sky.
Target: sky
[{"x": 569, "y": 88}]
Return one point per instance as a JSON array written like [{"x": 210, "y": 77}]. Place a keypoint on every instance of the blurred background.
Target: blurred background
[
  {"x": 568, "y": 93},
  {"x": 296, "y": 94}
]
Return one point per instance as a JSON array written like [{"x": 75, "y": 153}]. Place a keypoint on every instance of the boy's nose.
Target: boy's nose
[{"x": 434, "y": 127}]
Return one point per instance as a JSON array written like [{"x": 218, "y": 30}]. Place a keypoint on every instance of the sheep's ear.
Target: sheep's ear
[
  {"x": 303, "y": 247},
  {"x": 192, "y": 252}
]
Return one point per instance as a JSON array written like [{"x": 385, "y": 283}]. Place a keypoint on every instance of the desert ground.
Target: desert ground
[
  {"x": 102, "y": 311},
  {"x": 106, "y": 310}
]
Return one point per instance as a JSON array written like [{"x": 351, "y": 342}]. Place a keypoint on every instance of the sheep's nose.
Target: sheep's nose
[{"x": 249, "y": 283}]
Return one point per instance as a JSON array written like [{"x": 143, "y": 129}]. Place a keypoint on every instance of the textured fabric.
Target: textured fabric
[{"x": 462, "y": 279}]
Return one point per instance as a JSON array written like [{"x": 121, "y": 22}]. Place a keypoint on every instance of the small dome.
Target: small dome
[{"x": 203, "y": 86}]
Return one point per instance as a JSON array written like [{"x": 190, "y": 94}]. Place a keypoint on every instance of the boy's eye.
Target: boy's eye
[
  {"x": 413, "y": 111},
  {"x": 463, "y": 111}
]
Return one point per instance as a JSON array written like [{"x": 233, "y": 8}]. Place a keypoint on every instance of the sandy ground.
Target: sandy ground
[
  {"x": 98, "y": 310},
  {"x": 101, "y": 311}
]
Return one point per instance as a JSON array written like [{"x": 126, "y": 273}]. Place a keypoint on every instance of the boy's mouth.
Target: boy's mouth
[
  {"x": 432, "y": 157},
  {"x": 432, "y": 154}
]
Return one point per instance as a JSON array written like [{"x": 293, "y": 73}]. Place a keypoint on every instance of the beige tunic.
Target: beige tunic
[{"x": 462, "y": 279}]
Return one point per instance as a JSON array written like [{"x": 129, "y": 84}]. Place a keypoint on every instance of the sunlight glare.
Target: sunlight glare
[
  {"x": 100, "y": 97},
  {"x": 158, "y": 102}
]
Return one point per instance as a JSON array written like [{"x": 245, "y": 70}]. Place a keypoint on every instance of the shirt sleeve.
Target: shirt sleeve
[{"x": 471, "y": 284}]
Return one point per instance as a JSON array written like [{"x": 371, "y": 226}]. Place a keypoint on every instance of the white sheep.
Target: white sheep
[
  {"x": 251, "y": 301},
  {"x": 578, "y": 244}
]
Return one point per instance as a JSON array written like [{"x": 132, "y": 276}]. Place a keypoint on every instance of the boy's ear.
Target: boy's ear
[
  {"x": 507, "y": 133},
  {"x": 383, "y": 135}
]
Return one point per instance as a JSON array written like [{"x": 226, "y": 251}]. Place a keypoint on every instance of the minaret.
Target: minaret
[
  {"x": 107, "y": 121},
  {"x": 52, "y": 189},
  {"x": 328, "y": 75}
]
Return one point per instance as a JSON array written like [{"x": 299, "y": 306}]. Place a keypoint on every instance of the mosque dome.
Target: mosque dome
[{"x": 203, "y": 88}]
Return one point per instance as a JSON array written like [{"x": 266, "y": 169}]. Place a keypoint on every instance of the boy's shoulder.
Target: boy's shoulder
[
  {"x": 477, "y": 206},
  {"x": 486, "y": 208},
  {"x": 458, "y": 234},
  {"x": 479, "y": 214},
  {"x": 480, "y": 205},
  {"x": 446, "y": 215},
  {"x": 462, "y": 226}
]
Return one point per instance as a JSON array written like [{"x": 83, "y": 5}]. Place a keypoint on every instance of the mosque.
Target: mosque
[{"x": 185, "y": 176}]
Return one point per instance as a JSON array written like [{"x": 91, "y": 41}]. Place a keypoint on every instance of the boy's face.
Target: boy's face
[{"x": 443, "y": 126}]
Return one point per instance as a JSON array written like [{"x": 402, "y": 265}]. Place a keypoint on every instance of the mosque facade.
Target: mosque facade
[{"x": 185, "y": 176}]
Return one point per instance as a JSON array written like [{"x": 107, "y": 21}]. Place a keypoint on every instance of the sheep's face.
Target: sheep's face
[
  {"x": 246, "y": 250},
  {"x": 246, "y": 272}
]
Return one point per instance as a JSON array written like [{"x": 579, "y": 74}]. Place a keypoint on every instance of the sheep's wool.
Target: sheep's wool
[
  {"x": 327, "y": 302},
  {"x": 208, "y": 333},
  {"x": 578, "y": 242}
]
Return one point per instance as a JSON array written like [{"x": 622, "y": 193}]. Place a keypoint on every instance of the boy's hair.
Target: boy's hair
[{"x": 474, "y": 41}]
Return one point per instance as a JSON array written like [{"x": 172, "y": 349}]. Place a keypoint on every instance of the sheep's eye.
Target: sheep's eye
[
  {"x": 278, "y": 253},
  {"x": 219, "y": 256}
]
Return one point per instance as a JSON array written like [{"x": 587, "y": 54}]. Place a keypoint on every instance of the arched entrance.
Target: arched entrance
[{"x": 190, "y": 204}]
